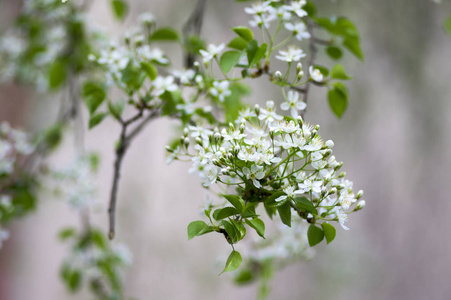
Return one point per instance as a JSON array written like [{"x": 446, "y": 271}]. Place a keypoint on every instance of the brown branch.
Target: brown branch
[
  {"x": 124, "y": 143},
  {"x": 193, "y": 27},
  {"x": 313, "y": 50}
]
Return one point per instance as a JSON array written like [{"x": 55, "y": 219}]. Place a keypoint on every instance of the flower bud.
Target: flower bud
[
  {"x": 300, "y": 120},
  {"x": 299, "y": 67},
  {"x": 333, "y": 191},
  {"x": 329, "y": 144},
  {"x": 300, "y": 75},
  {"x": 342, "y": 174},
  {"x": 199, "y": 141},
  {"x": 269, "y": 104},
  {"x": 278, "y": 75},
  {"x": 316, "y": 127},
  {"x": 217, "y": 135},
  {"x": 360, "y": 205},
  {"x": 186, "y": 141},
  {"x": 196, "y": 66},
  {"x": 359, "y": 195},
  {"x": 257, "y": 109}
]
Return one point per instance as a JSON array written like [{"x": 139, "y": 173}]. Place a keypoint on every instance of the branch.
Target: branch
[
  {"x": 124, "y": 142},
  {"x": 193, "y": 26},
  {"x": 313, "y": 50}
]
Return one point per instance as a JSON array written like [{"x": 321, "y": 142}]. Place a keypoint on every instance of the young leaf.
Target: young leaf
[
  {"x": 334, "y": 52},
  {"x": 231, "y": 231},
  {"x": 329, "y": 232},
  {"x": 96, "y": 119},
  {"x": 258, "y": 225},
  {"x": 338, "y": 98},
  {"x": 165, "y": 34},
  {"x": 94, "y": 95},
  {"x": 315, "y": 235},
  {"x": 285, "y": 213},
  {"x": 447, "y": 25},
  {"x": 67, "y": 233},
  {"x": 238, "y": 43},
  {"x": 236, "y": 201},
  {"x": 57, "y": 74},
  {"x": 116, "y": 109},
  {"x": 150, "y": 70},
  {"x": 197, "y": 228},
  {"x": 225, "y": 212},
  {"x": 233, "y": 262},
  {"x": 120, "y": 9},
  {"x": 338, "y": 72},
  {"x": 255, "y": 53},
  {"x": 228, "y": 60},
  {"x": 304, "y": 204},
  {"x": 353, "y": 45},
  {"x": 244, "y": 32}
]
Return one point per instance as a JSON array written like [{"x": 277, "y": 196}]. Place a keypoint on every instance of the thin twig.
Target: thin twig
[
  {"x": 193, "y": 27},
  {"x": 124, "y": 142},
  {"x": 313, "y": 50}
]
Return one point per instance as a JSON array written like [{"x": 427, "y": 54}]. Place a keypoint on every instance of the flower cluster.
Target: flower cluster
[
  {"x": 77, "y": 183},
  {"x": 94, "y": 262},
  {"x": 35, "y": 52},
  {"x": 276, "y": 161}
]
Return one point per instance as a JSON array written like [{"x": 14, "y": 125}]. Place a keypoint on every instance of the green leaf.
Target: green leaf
[
  {"x": 165, "y": 34},
  {"x": 353, "y": 45},
  {"x": 74, "y": 281},
  {"x": 447, "y": 25},
  {"x": 233, "y": 262},
  {"x": 116, "y": 109},
  {"x": 228, "y": 60},
  {"x": 255, "y": 53},
  {"x": 329, "y": 232},
  {"x": 120, "y": 9},
  {"x": 236, "y": 201},
  {"x": 233, "y": 103},
  {"x": 240, "y": 229},
  {"x": 310, "y": 8},
  {"x": 315, "y": 235},
  {"x": 231, "y": 231},
  {"x": 133, "y": 77},
  {"x": 67, "y": 233},
  {"x": 96, "y": 119},
  {"x": 244, "y": 32},
  {"x": 238, "y": 43},
  {"x": 94, "y": 95},
  {"x": 271, "y": 201},
  {"x": 285, "y": 213},
  {"x": 258, "y": 225},
  {"x": 225, "y": 212},
  {"x": 171, "y": 99},
  {"x": 304, "y": 204},
  {"x": 194, "y": 43},
  {"x": 57, "y": 74},
  {"x": 338, "y": 98},
  {"x": 338, "y": 72},
  {"x": 334, "y": 52},
  {"x": 322, "y": 69},
  {"x": 198, "y": 228},
  {"x": 150, "y": 70}
]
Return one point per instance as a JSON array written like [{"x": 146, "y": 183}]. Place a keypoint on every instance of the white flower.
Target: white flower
[
  {"x": 261, "y": 21},
  {"x": 309, "y": 185},
  {"x": 291, "y": 55},
  {"x": 146, "y": 53},
  {"x": 342, "y": 217},
  {"x": 316, "y": 74},
  {"x": 299, "y": 30},
  {"x": 162, "y": 84},
  {"x": 290, "y": 193},
  {"x": 293, "y": 104},
  {"x": 257, "y": 8},
  {"x": 185, "y": 76},
  {"x": 233, "y": 135},
  {"x": 254, "y": 174},
  {"x": 146, "y": 18},
  {"x": 296, "y": 7},
  {"x": 220, "y": 90},
  {"x": 280, "y": 13},
  {"x": 212, "y": 52}
]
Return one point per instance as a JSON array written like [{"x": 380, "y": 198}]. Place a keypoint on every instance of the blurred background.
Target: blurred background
[{"x": 394, "y": 140}]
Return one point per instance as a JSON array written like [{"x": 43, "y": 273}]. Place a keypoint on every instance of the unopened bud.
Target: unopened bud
[
  {"x": 359, "y": 195},
  {"x": 217, "y": 135},
  {"x": 299, "y": 67},
  {"x": 329, "y": 144},
  {"x": 196, "y": 66},
  {"x": 199, "y": 141},
  {"x": 300, "y": 75},
  {"x": 186, "y": 142},
  {"x": 333, "y": 191},
  {"x": 257, "y": 109},
  {"x": 360, "y": 205},
  {"x": 270, "y": 104},
  {"x": 278, "y": 75}
]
